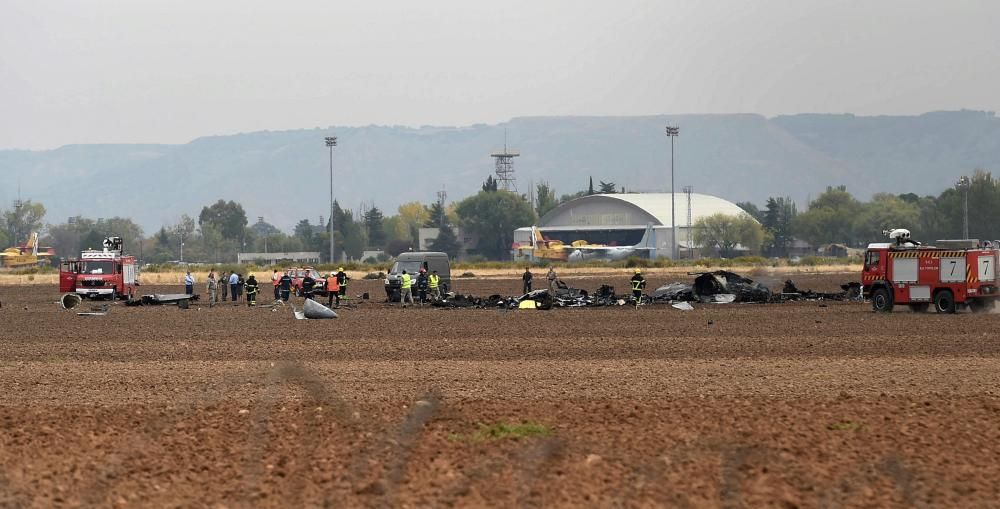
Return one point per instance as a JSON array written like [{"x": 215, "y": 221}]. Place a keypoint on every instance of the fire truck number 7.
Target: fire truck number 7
[
  {"x": 953, "y": 264},
  {"x": 986, "y": 269}
]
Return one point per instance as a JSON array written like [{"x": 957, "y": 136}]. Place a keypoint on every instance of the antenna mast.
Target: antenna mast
[{"x": 505, "y": 166}]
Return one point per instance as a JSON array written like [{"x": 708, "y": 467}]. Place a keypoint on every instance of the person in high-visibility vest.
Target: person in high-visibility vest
[
  {"x": 342, "y": 282},
  {"x": 405, "y": 289},
  {"x": 434, "y": 283},
  {"x": 332, "y": 290},
  {"x": 275, "y": 280},
  {"x": 638, "y": 284}
]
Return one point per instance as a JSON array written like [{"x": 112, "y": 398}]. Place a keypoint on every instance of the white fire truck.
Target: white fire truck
[
  {"x": 951, "y": 274},
  {"x": 106, "y": 274}
]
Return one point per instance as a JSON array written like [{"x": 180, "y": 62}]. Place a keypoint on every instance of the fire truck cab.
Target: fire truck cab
[
  {"x": 951, "y": 274},
  {"x": 105, "y": 274}
]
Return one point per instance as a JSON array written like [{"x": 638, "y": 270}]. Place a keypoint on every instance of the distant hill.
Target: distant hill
[{"x": 283, "y": 175}]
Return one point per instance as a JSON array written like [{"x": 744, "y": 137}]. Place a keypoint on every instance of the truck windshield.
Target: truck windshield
[
  {"x": 99, "y": 267},
  {"x": 411, "y": 267}
]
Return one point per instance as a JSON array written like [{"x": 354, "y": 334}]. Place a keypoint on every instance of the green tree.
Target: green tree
[
  {"x": 606, "y": 187},
  {"x": 545, "y": 199},
  {"x": 590, "y": 187},
  {"x": 751, "y": 209},
  {"x": 305, "y": 232},
  {"x": 21, "y": 221},
  {"x": 436, "y": 216},
  {"x": 490, "y": 185},
  {"x": 830, "y": 218},
  {"x": 348, "y": 233},
  {"x": 493, "y": 217},
  {"x": 447, "y": 242},
  {"x": 228, "y": 218},
  {"x": 413, "y": 215},
  {"x": 885, "y": 211},
  {"x": 373, "y": 224},
  {"x": 726, "y": 232},
  {"x": 778, "y": 217}
]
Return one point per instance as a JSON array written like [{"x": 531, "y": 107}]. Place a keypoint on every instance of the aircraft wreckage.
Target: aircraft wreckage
[{"x": 718, "y": 287}]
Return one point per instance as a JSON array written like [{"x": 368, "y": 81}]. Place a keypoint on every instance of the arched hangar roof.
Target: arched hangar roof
[{"x": 635, "y": 209}]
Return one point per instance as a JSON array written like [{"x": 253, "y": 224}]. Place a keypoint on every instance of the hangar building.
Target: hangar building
[{"x": 625, "y": 219}]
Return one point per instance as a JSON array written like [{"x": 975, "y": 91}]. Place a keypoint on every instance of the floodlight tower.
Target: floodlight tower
[
  {"x": 505, "y": 167},
  {"x": 688, "y": 190},
  {"x": 963, "y": 185},
  {"x": 673, "y": 132},
  {"x": 331, "y": 141}
]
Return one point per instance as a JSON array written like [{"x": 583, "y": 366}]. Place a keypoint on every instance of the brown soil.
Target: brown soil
[{"x": 807, "y": 404}]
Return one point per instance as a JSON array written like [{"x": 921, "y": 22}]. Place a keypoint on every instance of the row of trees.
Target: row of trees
[
  {"x": 221, "y": 229},
  {"x": 837, "y": 217}
]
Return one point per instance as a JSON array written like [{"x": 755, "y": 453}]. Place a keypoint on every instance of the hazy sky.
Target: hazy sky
[{"x": 105, "y": 71}]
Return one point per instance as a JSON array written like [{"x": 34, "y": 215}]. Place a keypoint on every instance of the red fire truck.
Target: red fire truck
[
  {"x": 954, "y": 273},
  {"x": 105, "y": 274}
]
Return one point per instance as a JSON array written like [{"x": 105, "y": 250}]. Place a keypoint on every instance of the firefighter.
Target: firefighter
[
  {"x": 342, "y": 280},
  {"x": 308, "y": 283},
  {"x": 638, "y": 284},
  {"x": 405, "y": 289},
  {"x": 275, "y": 278},
  {"x": 212, "y": 287},
  {"x": 332, "y": 290},
  {"x": 189, "y": 283},
  {"x": 252, "y": 288},
  {"x": 422, "y": 282},
  {"x": 434, "y": 282},
  {"x": 551, "y": 276},
  {"x": 285, "y": 286},
  {"x": 526, "y": 279}
]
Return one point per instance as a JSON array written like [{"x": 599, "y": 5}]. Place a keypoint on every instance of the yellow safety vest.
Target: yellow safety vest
[
  {"x": 407, "y": 282},
  {"x": 434, "y": 280}
]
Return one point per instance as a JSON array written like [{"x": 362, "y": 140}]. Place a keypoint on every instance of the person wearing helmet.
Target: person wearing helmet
[
  {"x": 308, "y": 283},
  {"x": 332, "y": 290},
  {"x": 422, "y": 283},
  {"x": 285, "y": 285},
  {"x": 638, "y": 284},
  {"x": 251, "y": 288},
  {"x": 342, "y": 283}
]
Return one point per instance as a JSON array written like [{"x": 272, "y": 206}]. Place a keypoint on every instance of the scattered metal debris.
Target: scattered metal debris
[
  {"x": 718, "y": 287},
  {"x": 709, "y": 284}
]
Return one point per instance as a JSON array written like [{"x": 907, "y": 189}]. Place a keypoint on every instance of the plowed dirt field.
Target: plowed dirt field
[{"x": 810, "y": 404}]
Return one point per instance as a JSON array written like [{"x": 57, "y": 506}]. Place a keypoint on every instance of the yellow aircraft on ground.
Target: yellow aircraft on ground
[
  {"x": 25, "y": 256},
  {"x": 555, "y": 250}
]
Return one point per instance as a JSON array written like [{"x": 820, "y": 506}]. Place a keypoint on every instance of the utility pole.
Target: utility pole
[
  {"x": 331, "y": 141},
  {"x": 688, "y": 190},
  {"x": 963, "y": 185},
  {"x": 673, "y": 132}
]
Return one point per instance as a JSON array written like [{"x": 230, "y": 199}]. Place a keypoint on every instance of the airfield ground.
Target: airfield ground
[{"x": 811, "y": 404}]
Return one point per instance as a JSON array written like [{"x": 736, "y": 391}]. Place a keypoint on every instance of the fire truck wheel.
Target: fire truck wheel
[
  {"x": 980, "y": 306},
  {"x": 920, "y": 307},
  {"x": 881, "y": 301},
  {"x": 944, "y": 302}
]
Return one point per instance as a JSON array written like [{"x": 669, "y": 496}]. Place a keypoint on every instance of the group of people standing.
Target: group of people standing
[
  {"x": 336, "y": 286},
  {"x": 527, "y": 278},
  {"x": 427, "y": 284},
  {"x": 230, "y": 285}
]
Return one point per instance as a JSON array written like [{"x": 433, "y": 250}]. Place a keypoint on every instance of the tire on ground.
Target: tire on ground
[
  {"x": 944, "y": 302},
  {"x": 881, "y": 300}
]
